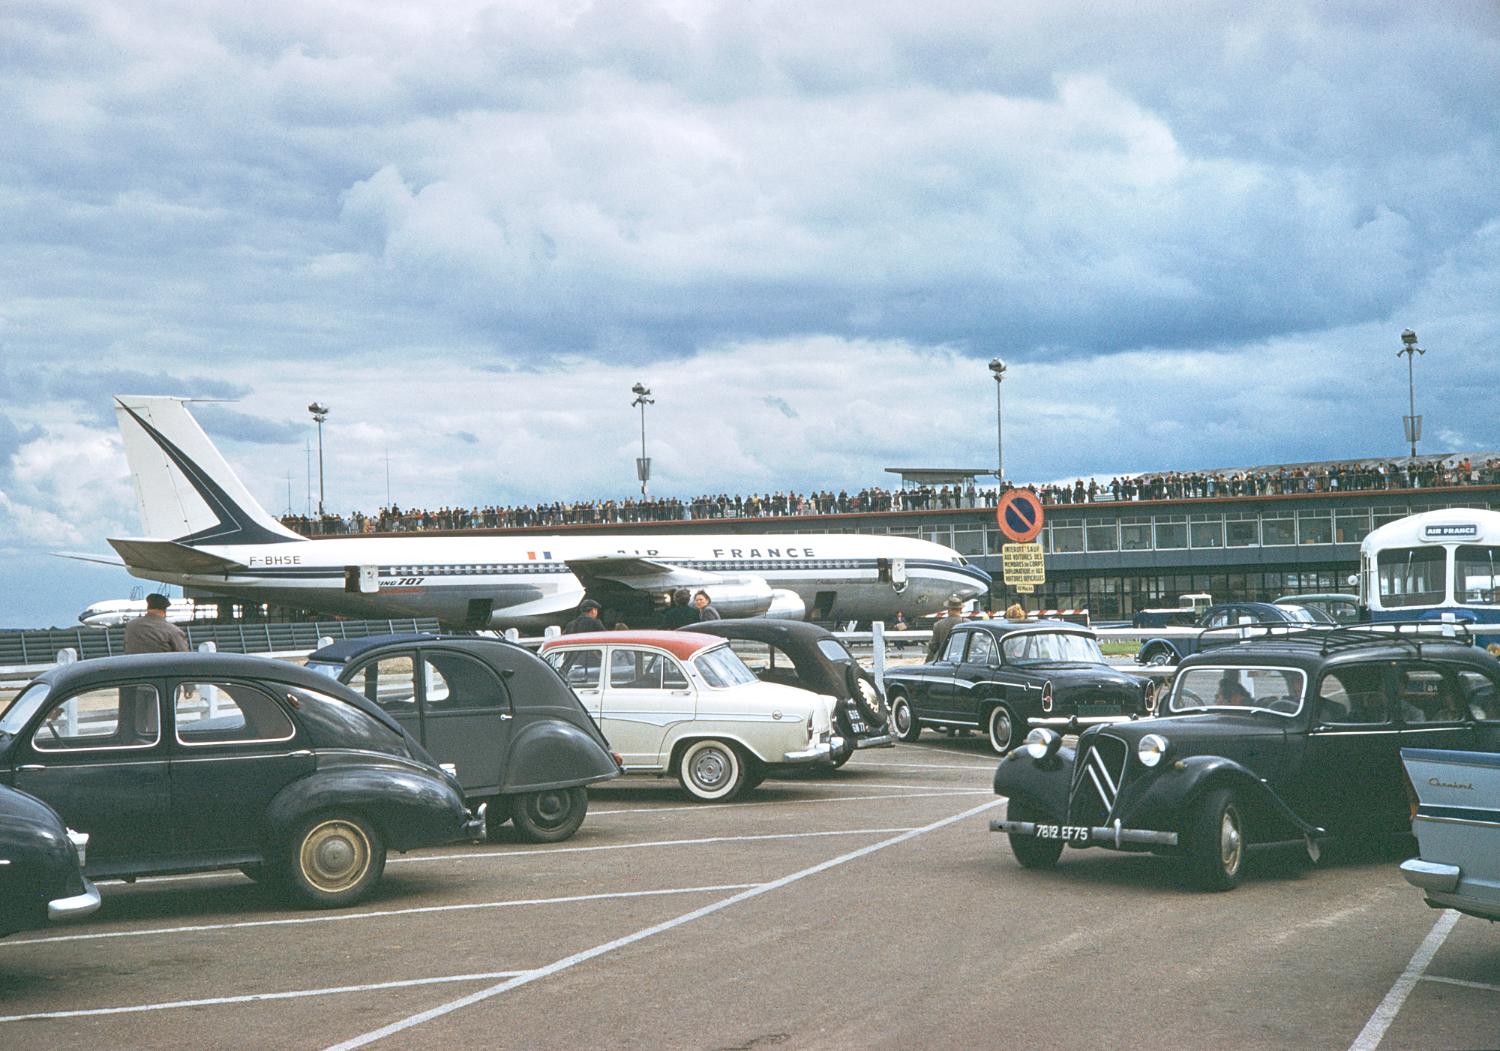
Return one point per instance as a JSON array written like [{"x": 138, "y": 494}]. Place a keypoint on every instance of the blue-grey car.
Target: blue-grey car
[
  {"x": 1171, "y": 645},
  {"x": 1457, "y": 825}
]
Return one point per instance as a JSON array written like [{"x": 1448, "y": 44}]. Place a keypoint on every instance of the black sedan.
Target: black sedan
[
  {"x": 41, "y": 866},
  {"x": 795, "y": 653},
  {"x": 182, "y": 762},
  {"x": 997, "y": 675},
  {"x": 1275, "y": 740},
  {"x": 494, "y": 714}
]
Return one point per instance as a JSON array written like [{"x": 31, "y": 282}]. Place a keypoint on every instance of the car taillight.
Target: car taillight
[
  {"x": 1046, "y": 696},
  {"x": 1151, "y": 696},
  {"x": 1411, "y": 792}
]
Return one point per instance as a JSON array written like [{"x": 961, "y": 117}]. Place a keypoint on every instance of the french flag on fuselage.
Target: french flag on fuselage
[{"x": 533, "y": 554}]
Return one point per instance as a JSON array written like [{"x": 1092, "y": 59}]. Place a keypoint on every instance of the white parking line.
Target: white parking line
[
  {"x": 1370, "y": 1036},
  {"x": 219, "y": 1001},
  {"x": 935, "y": 766},
  {"x": 794, "y": 802},
  {"x": 648, "y": 932},
  {"x": 375, "y": 915},
  {"x": 479, "y": 854}
]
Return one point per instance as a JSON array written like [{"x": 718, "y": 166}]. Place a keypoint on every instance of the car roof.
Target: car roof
[
  {"x": 765, "y": 629},
  {"x": 82, "y": 674},
  {"x": 1322, "y": 596},
  {"x": 1007, "y": 627},
  {"x": 345, "y": 650},
  {"x": 681, "y": 644},
  {"x": 1315, "y": 648}
]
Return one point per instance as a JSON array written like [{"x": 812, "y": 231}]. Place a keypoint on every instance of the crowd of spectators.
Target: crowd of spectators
[{"x": 1422, "y": 473}]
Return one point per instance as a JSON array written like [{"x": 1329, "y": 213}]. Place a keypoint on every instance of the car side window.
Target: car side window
[
  {"x": 759, "y": 657},
  {"x": 455, "y": 682},
  {"x": 1425, "y": 694},
  {"x": 955, "y": 651},
  {"x": 631, "y": 669},
  {"x": 580, "y": 669},
  {"x": 1478, "y": 693},
  {"x": 1219, "y": 620},
  {"x": 390, "y": 683},
  {"x": 1354, "y": 696},
  {"x": 981, "y": 650},
  {"x": 106, "y": 717},
  {"x": 223, "y": 713}
]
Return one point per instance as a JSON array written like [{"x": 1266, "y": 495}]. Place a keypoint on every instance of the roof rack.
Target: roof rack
[{"x": 1404, "y": 632}]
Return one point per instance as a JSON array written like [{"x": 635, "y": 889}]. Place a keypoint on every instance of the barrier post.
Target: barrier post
[
  {"x": 877, "y": 644},
  {"x": 512, "y": 635},
  {"x": 210, "y": 646},
  {"x": 68, "y": 655}
]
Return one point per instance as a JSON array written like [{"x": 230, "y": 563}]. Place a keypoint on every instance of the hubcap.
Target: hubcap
[
  {"x": 710, "y": 768},
  {"x": 335, "y": 856},
  {"x": 550, "y": 808},
  {"x": 1230, "y": 845},
  {"x": 1000, "y": 729},
  {"x": 901, "y": 717}
]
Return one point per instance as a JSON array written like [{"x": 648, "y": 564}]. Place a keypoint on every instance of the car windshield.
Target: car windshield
[
  {"x": 24, "y": 707},
  {"x": 1305, "y": 614},
  {"x": 330, "y": 670},
  {"x": 1048, "y": 647},
  {"x": 721, "y": 668},
  {"x": 1276, "y": 690}
]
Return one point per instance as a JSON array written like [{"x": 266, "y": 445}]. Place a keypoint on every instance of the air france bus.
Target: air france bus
[{"x": 1435, "y": 563}]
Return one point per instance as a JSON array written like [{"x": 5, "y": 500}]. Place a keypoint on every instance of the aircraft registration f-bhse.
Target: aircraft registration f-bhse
[{"x": 205, "y": 532}]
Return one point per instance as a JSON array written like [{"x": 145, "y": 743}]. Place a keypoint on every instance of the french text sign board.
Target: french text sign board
[{"x": 1023, "y": 564}]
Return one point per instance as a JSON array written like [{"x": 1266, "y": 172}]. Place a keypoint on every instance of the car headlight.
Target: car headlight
[
  {"x": 1150, "y": 696},
  {"x": 1151, "y": 749},
  {"x": 1042, "y": 743}
]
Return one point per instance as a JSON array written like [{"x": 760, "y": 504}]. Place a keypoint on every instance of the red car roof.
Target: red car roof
[{"x": 681, "y": 644}]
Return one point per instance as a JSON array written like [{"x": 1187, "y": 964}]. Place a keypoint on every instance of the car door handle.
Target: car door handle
[
  {"x": 506, "y": 717},
  {"x": 31, "y": 766}
]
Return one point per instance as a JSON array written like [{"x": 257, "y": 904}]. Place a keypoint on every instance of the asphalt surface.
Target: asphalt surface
[{"x": 868, "y": 908}]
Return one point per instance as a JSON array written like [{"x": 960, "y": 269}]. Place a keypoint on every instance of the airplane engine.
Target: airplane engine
[
  {"x": 741, "y": 597},
  {"x": 786, "y": 605}
]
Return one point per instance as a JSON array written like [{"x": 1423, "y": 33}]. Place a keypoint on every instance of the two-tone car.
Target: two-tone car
[
  {"x": 809, "y": 657},
  {"x": 493, "y": 714},
  {"x": 1457, "y": 825},
  {"x": 41, "y": 866},
  {"x": 186, "y": 762},
  {"x": 998, "y": 676},
  {"x": 1169, "y": 645},
  {"x": 681, "y": 703},
  {"x": 1281, "y": 739}
]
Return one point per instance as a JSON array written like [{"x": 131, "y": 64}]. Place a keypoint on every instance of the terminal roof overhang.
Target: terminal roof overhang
[{"x": 938, "y": 475}]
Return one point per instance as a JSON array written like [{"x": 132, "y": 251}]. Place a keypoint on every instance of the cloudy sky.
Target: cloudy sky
[{"x": 1194, "y": 230}]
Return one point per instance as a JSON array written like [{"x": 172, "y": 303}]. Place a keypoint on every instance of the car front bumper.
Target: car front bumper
[
  {"x": 77, "y": 905},
  {"x": 1098, "y": 836},
  {"x": 1431, "y": 876}
]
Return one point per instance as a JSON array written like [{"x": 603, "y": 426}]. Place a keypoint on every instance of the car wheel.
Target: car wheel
[
  {"x": 866, "y": 697},
  {"x": 903, "y": 720},
  {"x": 1160, "y": 657},
  {"x": 551, "y": 816},
  {"x": 1216, "y": 842},
  {"x": 1002, "y": 725},
  {"x": 334, "y": 860},
  {"x": 496, "y": 814},
  {"x": 711, "y": 771},
  {"x": 1031, "y": 852}
]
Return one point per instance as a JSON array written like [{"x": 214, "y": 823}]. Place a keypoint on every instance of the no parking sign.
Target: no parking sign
[{"x": 1020, "y": 516}]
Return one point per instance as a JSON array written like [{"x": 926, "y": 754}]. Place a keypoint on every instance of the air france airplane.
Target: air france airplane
[{"x": 205, "y": 532}]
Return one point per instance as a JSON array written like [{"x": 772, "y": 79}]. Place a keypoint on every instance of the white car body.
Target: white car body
[{"x": 651, "y": 721}]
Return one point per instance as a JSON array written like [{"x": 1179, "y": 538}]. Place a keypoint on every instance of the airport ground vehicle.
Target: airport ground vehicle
[
  {"x": 1171, "y": 648},
  {"x": 1436, "y": 563},
  {"x": 1344, "y": 609},
  {"x": 812, "y": 658},
  {"x": 41, "y": 866},
  {"x": 997, "y": 675},
  {"x": 1291, "y": 736},
  {"x": 491, "y": 712},
  {"x": 682, "y": 703},
  {"x": 1457, "y": 825},
  {"x": 181, "y": 762}
]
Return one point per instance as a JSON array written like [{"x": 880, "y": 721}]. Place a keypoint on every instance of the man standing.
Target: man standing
[
  {"x": 587, "y": 619},
  {"x": 943, "y": 627},
  {"x": 153, "y": 633}
]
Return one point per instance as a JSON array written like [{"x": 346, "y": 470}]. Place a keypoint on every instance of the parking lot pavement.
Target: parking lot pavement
[{"x": 869, "y": 907}]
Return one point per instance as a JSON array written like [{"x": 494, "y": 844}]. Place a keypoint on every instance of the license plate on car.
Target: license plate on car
[{"x": 1066, "y": 833}]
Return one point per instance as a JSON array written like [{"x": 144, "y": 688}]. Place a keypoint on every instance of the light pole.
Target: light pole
[
  {"x": 1413, "y": 422},
  {"x": 643, "y": 462},
  {"x": 997, "y": 367},
  {"x": 319, "y": 413}
]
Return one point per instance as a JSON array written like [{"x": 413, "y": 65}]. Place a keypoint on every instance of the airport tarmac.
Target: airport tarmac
[{"x": 870, "y": 907}]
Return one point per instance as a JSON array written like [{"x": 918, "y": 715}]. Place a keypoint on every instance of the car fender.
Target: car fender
[
  {"x": 1181, "y": 647},
  {"x": 756, "y": 745},
  {"x": 550, "y": 753},
  {"x": 1042, "y": 783},
  {"x": 1169, "y": 799},
  {"x": 410, "y": 807}
]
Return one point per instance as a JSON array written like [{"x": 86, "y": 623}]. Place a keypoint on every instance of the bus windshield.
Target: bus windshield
[
  {"x": 1476, "y": 575},
  {"x": 1412, "y": 576}
]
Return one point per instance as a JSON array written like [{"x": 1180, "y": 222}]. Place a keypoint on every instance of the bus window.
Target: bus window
[
  {"x": 1476, "y": 574},
  {"x": 1411, "y": 576}
]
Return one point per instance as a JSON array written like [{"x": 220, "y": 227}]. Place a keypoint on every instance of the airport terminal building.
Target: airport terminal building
[{"x": 1117, "y": 557}]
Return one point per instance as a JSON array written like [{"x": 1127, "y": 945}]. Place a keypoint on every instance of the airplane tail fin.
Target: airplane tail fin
[{"x": 186, "y": 490}]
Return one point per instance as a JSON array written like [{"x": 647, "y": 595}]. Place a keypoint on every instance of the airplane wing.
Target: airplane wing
[
  {"x": 608, "y": 572},
  {"x": 171, "y": 557}
]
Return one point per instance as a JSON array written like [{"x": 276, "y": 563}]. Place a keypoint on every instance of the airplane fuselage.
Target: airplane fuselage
[{"x": 525, "y": 582}]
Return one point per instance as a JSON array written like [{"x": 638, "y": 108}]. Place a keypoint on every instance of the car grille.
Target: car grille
[{"x": 1097, "y": 779}]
